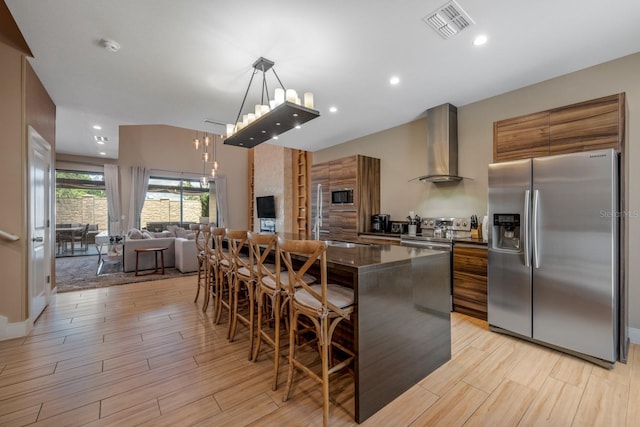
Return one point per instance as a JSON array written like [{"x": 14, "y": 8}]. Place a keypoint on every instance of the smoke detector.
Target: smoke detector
[
  {"x": 449, "y": 19},
  {"x": 110, "y": 45}
]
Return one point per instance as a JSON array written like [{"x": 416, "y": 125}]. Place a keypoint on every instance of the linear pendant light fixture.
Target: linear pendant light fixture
[{"x": 273, "y": 117}]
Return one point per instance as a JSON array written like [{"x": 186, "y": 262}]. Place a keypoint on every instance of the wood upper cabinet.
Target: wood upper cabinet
[
  {"x": 344, "y": 169},
  {"x": 470, "y": 280},
  {"x": 590, "y": 125},
  {"x": 360, "y": 173},
  {"x": 522, "y": 137}
]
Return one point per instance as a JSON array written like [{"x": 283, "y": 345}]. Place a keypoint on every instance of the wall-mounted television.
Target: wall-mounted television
[{"x": 266, "y": 206}]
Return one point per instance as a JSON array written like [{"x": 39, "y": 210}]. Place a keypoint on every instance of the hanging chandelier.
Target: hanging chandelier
[
  {"x": 203, "y": 145},
  {"x": 271, "y": 117}
]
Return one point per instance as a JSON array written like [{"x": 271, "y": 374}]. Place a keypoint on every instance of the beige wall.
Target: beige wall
[
  {"x": 24, "y": 102},
  {"x": 403, "y": 154},
  {"x": 12, "y": 169},
  {"x": 168, "y": 148}
]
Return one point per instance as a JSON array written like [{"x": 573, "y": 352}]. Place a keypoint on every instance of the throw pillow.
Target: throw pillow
[
  {"x": 191, "y": 236},
  {"x": 146, "y": 235},
  {"x": 181, "y": 232},
  {"x": 134, "y": 233},
  {"x": 172, "y": 230}
]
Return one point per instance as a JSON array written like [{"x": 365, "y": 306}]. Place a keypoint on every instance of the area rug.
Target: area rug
[{"x": 75, "y": 273}]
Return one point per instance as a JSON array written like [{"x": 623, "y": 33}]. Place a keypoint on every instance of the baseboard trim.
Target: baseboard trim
[
  {"x": 634, "y": 335},
  {"x": 14, "y": 330}
]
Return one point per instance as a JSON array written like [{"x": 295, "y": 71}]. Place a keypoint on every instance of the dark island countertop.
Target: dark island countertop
[
  {"x": 366, "y": 257},
  {"x": 400, "y": 329}
]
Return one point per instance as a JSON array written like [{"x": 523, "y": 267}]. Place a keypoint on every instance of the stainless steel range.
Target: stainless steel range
[{"x": 438, "y": 233}]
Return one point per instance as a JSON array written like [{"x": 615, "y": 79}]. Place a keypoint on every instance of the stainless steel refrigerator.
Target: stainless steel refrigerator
[{"x": 553, "y": 252}]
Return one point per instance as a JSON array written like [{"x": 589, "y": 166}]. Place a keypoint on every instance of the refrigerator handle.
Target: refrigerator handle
[
  {"x": 534, "y": 229},
  {"x": 527, "y": 234}
]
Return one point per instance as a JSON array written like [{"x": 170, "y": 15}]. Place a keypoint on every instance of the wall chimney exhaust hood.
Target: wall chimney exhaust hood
[{"x": 442, "y": 144}]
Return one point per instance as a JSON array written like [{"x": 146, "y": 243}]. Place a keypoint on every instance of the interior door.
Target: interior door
[{"x": 39, "y": 187}]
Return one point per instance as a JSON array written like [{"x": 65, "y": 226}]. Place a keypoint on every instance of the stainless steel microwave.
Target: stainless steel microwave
[{"x": 343, "y": 196}]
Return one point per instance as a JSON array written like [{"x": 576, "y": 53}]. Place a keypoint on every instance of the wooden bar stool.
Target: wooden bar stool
[
  {"x": 325, "y": 305},
  {"x": 203, "y": 236},
  {"x": 243, "y": 280},
  {"x": 224, "y": 279},
  {"x": 213, "y": 268},
  {"x": 268, "y": 290},
  {"x": 271, "y": 284}
]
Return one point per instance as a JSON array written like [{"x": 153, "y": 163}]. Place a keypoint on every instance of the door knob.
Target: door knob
[{"x": 37, "y": 239}]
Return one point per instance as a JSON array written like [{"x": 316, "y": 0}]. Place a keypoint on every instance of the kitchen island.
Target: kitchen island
[{"x": 401, "y": 329}]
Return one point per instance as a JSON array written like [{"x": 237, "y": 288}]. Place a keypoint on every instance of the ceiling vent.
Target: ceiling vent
[
  {"x": 448, "y": 20},
  {"x": 101, "y": 139}
]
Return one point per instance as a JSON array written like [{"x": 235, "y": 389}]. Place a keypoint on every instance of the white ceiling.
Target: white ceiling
[{"x": 182, "y": 62}]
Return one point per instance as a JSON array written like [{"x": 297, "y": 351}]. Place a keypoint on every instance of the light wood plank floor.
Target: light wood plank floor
[{"x": 145, "y": 354}]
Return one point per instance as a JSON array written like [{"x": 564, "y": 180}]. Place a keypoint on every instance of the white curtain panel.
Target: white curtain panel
[
  {"x": 221, "y": 200},
  {"x": 139, "y": 183},
  {"x": 112, "y": 189}
]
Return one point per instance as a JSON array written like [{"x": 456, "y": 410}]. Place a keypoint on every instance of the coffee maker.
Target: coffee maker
[{"x": 380, "y": 223}]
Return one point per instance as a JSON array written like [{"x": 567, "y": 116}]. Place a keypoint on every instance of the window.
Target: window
[
  {"x": 81, "y": 198},
  {"x": 177, "y": 201}
]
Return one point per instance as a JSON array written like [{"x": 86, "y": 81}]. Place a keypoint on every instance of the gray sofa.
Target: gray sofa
[{"x": 180, "y": 253}]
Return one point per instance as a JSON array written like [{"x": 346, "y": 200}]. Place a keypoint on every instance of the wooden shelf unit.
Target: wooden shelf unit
[
  {"x": 301, "y": 183},
  {"x": 251, "y": 172}
]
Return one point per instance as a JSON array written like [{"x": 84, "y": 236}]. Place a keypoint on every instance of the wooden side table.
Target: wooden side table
[{"x": 155, "y": 251}]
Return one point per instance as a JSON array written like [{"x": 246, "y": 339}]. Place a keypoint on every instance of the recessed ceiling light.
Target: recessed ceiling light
[
  {"x": 480, "y": 40},
  {"x": 394, "y": 80},
  {"x": 275, "y": 137},
  {"x": 102, "y": 153},
  {"x": 100, "y": 142},
  {"x": 97, "y": 127},
  {"x": 298, "y": 127},
  {"x": 333, "y": 109}
]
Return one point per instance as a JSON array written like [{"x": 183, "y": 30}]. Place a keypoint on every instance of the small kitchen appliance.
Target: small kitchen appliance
[{"x": 380, "y": 223}]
